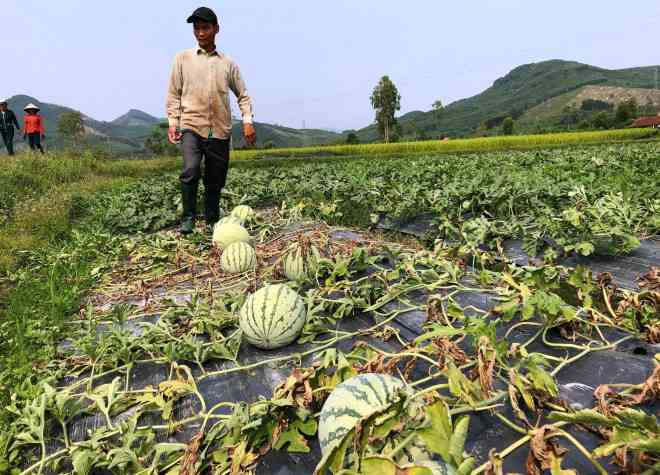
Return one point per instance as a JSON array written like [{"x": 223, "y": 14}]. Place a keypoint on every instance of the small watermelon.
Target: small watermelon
[
  {"x": 229, "y": 233},
  {"x": 299, "y": 264},
  {"x": 353, "y": 400},
  {"x": 230, "y": 219},
  {"x": 272, "y": 317},
  {"x": 244, "y": 213},
  {"x": 239, "y": 257}
]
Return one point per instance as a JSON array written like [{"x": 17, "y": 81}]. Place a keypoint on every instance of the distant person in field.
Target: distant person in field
[
  {"x": 34, "y": 130},
  {"x": 7, "y": 123},
  {"x": 199, "y": 116}
]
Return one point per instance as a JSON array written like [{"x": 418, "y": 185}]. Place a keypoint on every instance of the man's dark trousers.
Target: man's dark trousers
[
  {"x": 215, "y": 153},
  {"x": 8, "y": 139}
]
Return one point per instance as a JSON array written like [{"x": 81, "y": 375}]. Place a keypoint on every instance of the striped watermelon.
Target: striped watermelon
[
  {"x": 244, "y": 213},
  {"x": 272, "y": 317},
  {"x": 353, "y": 400},
  {"x": 230, "y": 219},
  {"x": 299, "y": 265},
  {"x": 229, "y": 233},
  {"x": 239, "y": 257}
]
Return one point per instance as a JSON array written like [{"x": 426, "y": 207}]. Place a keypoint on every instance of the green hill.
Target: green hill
[
  {"x": 550, "y": 113},
  {"x": 520, "y": 90},
  {"x": 127, "y": 133},
  {"x": 281, "y": 136},
  {"x": 117, "y": 136},
  {"x": 136, "y": 118}
]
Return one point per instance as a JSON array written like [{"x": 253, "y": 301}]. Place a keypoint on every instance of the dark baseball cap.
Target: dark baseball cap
[{"x": 204, "y": 14}]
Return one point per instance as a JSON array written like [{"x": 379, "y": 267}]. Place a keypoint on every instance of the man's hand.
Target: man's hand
[
  {"x": 250, "y": 134},
  {"x": 43, "y": 136},
  {"x": 173, "y": 134}
]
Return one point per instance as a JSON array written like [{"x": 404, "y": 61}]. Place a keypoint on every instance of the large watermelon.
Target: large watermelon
[
  {"x": 272, "y": 317},
  {"x": 229, "y": 233},
  {"x": 244, "y": 213},
  {"x": 353, "y": 400},
  {"x": 239, "y": 257}
]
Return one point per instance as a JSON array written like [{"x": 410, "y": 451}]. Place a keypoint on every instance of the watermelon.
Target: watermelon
[
  {"x": 272, "y": 317},
  {"x": 298, "y": 264},
  {"x": 239, "y": 257},
  {"x": 230, "y": 219},
  {"x": 353, "y": 400},
  {"x": 244, "y": 213},
  {"x": 229, "y": 233}
]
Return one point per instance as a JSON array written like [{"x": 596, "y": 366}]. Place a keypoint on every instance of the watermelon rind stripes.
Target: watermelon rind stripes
[
  {"x": 228, "y": 233},
  {"x": 239, "y": 257},
  {"x": 244, "y": 213},
  {"x": 272, "y": 317},
  {"x": 352, "y": 401}
]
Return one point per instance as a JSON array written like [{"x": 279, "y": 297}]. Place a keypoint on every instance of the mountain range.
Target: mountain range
[
  {"x": 127, "y": 133},
  {"x": 518, "y": 93},
  {"x": 534, "y": 94}
]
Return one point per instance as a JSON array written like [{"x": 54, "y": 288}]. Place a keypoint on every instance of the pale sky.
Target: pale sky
[{"x": 311, "y": 61}]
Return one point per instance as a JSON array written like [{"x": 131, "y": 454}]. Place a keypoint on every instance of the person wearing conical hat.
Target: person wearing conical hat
[
  {"x": 7, "y": 123},
  {"x": 33, "y": 129}
]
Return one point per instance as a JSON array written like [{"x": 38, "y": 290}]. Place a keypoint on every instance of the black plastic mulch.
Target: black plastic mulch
[{"x": 631, "y": 362}]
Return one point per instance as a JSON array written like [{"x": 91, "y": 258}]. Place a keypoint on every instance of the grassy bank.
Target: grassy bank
[
  {"x": 39, "y": 196},
  {"x": 46, "y": 265}
]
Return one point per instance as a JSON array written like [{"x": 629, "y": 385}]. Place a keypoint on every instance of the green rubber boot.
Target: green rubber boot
[
  {"x": 211, "y": 207},
  {"x": 189, "y": 202}
]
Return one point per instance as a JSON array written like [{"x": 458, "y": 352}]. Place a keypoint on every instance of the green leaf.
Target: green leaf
[
  {"x": 378, "y": 466},
  {"x": 640, "y": 419},
  {"x": 333, "y": 460},
  {"x": 293, "y": 436},
  {"x": 168, "y": 448},
  {"x": 648, "y": 445},
  {"x": 585, "y": 248},
  {"x": 585, "y": 416},
  {"x": 438, "y": 332},
  {"x": 467, "y": 466},
  {"x": 457, "y": 441},
  {"x": 122, "y": 457},
  {"x": 437, "y": 436},
  {"x": 381, "y": 431},
  {"x": 83, "y": 461},
  {"x": 508, "y": 309}
]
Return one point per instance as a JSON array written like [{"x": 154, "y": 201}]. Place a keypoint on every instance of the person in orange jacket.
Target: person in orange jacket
[{"x": 33, "y": 127}]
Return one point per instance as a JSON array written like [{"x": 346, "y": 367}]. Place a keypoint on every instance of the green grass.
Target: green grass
[
  {"x": 46, "y": 265},
  {"x": 38, "y": 195},
  {"x": 483, "y": 144}
]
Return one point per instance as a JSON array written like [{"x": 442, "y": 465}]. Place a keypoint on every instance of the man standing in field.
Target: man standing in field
[
  {"x": 199, "y": 116},
  {"x": 7, "y": 123}
]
